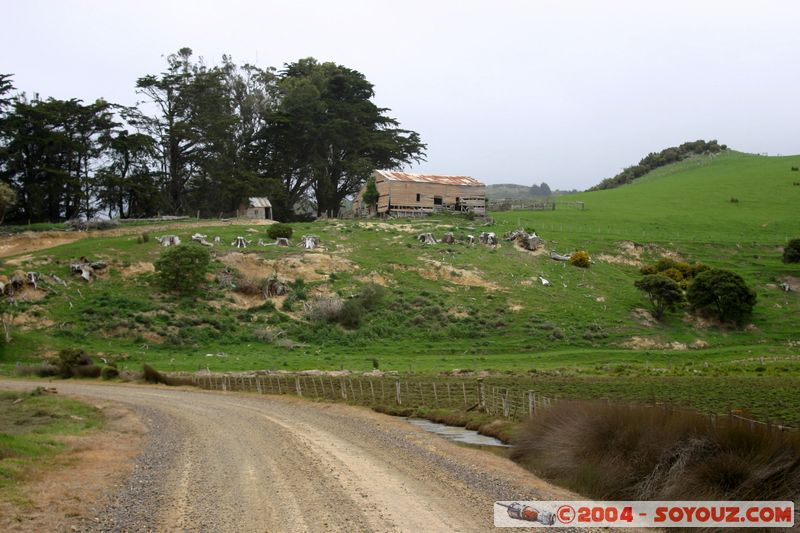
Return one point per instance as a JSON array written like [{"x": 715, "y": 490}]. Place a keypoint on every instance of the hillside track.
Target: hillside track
[{"x": 240, "y": 462}]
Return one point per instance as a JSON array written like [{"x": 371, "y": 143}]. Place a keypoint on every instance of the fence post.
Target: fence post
[
  {"x": 372, "y": 390},
  {"x": 297, "y": 385},
  {"x": 481, "y": 395},
  {"x": 449, "y": 398},
  {"x": 464, "y": 390},
  {"x": 258, "y": 385},
  {"x": 344, "y": 389},
  {"x": 435, "y": 396},
  {"x": 397, "y": 392},
  {"x": 505, "y": 404},
  {"x": 531, "y": 406}
]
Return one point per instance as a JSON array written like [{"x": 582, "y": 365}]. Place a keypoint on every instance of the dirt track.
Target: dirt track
[
  {"x": 231, "y": 462},
  {"x": 32, "y": 241}
]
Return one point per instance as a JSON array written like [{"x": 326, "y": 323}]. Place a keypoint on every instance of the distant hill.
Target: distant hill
[
  {"x": 655, "y": 160},
  {"x": 511, "y": 191}
]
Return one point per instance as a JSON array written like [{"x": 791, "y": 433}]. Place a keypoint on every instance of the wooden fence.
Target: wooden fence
[
  {"x": 466, "y": 394},
  {"x": 360, "y": 390}
]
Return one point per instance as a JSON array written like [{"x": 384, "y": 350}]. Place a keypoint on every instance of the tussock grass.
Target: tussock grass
[{"x": 610, "y": 451}]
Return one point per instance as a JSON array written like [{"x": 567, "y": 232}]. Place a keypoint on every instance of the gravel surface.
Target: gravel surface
[{"x": 239, "y": 462}]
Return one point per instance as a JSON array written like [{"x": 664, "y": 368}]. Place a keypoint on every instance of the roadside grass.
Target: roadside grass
[
  {"x": 619, "y": 452},
  {"x": 30, "y": 426}
]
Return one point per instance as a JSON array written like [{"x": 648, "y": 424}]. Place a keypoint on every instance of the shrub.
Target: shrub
[
  {"x": 579, "y": 259},
  {"x": 372, "y": 295},
  {"x": 350, "y": 316},
  {"x": 325, "y": 309},
  {"x": 86, "y": 371},
  {"x": 663, "y": 292},
  {"x": 722, "y": 294},
  {"x": 650, "y": 453},
  {"x": 109, "y": 372},
  {"x": 674, "y": 274},
  {"x": 145, "y": 237},
  {"x": 665, "y": 263},
  {"x": 151, "y": 375},
  {"x": 182, "y": 268},
  {"x": 279, "y": 230},
  {"x": 71, "y": 358},
  {"x": 791, "y": 252}
]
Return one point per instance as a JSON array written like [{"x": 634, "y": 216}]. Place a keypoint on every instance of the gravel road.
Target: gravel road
[{"x": 237, "y": 462}]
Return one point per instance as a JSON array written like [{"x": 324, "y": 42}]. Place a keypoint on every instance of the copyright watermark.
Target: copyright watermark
[{"x": 644, "y": 514}]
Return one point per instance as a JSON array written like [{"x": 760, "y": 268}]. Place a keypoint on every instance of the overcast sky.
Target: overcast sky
[{"x": 507, "y": 92}]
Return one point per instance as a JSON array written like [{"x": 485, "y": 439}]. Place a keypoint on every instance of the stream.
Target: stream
[{"x": 461, "y": 435}]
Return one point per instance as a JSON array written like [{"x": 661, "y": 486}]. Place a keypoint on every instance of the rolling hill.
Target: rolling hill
[{"x": 445, "y": 307}]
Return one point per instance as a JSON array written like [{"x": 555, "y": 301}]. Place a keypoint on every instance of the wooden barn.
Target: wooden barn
[{"x": 405, "y": 194}]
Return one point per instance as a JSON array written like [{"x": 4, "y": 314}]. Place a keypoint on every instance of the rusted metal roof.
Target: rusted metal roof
[
  {"x": 391, "y": 175},
  {"x": 260, "y": 202}
]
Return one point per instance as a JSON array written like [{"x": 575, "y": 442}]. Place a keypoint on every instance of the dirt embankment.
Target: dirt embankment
[{"x": 235, "y": 462}]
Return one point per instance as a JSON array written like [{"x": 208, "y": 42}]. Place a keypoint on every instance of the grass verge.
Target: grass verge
[{"x": 30, "y": 426}]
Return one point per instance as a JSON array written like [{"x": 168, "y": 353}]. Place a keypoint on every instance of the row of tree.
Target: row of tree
[
  {"x": 654, "y": 160},
  {"x": 204, "y": 139}
]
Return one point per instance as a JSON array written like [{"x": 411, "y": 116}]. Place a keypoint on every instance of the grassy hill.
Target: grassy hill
[{"x": 448, "y": 307}]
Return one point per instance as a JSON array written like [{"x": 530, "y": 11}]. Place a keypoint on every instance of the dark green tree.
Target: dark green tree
[
  {"x": 332, "y": 133},
  {"x": 663, "y": 293},
  {"x": 193, "y": 128},
  {"x": 54, "y": 150},
  {"x": 791, "y": 252},
  {"x": 182, "y": 269},
  {"x": 722, "y": 294},
  {"x": 7, "y": 199}
]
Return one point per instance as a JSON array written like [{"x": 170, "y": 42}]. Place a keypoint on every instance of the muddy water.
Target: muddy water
[{"x": 461, "y": 435}]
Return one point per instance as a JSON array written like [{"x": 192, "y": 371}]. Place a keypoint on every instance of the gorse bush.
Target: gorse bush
[
  {"x": 663, "y": 292},
  {"x": 721, "y": 294},
  {"x": 70, "y": 360},
  {"x": 183, "y": 268},
  {"x": 109, "y": 372},
  {"x": 649, "y": 453},
  {"x": 579, "y": 259},
  {"x": 280, "y": 230},
  {"x": 791, "y": 252}
]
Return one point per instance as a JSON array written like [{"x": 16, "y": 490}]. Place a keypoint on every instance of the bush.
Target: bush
[
  {"x": 325, "y": 309},
  {"x": 86, "y": 371},
  {"x": 722, "y": 294},
  {"x": 69, "y": 359},
  {"x": 279, "y": 230},
  {"x": 109, "y": 372},
  {"x": 182, "y": 268},
  {"x": 663, "y": 292},
  {"x": 371, "y": 296},
  {"x": 649, "y": 453},
  {"x": 151, "y": 375},
  {"x": 791, "y": 252},
  {"x": 350, "y": 316},
  {"x": 579, "y": 259}
]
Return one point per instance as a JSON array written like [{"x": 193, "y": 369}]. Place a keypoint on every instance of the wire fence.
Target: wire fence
[
  {"x": 467, "y": 395},
  {"x": 462, "y": 394}
]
